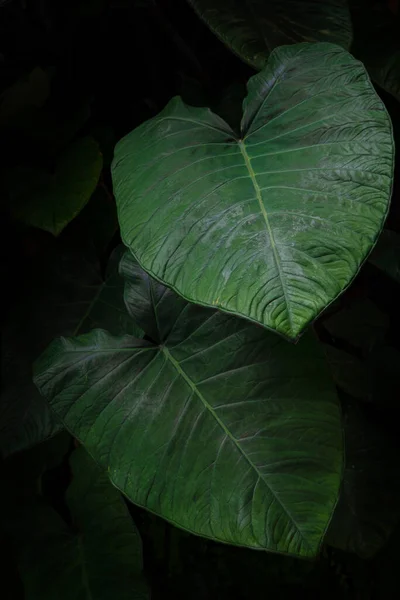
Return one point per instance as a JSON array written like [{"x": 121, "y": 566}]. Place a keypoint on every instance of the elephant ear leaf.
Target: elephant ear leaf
[
  {"x": 51, "y": 200},
  {"x": 252, "y": 29},
  {"x": 271, "y": 224},
  {"x": 98, "y": 557},
  {"x": 220, "y": 427},
  {"x": 151, "y": 305}
]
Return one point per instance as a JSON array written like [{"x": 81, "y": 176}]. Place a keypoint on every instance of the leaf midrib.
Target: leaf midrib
[
  {"x": 277, "y": 258},
  {"x": 229, "y": 435}
]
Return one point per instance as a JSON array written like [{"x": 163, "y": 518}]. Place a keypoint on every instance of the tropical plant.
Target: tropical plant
[
  {"x": 230, "y": 370},
  {"x": 210, "y": 421}
]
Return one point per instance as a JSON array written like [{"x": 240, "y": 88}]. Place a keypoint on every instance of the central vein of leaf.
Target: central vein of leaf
[
  {"x": 229, "y": 435},
  {"x": 206, "y": 404},
  {"x": 257, "y": 190}
]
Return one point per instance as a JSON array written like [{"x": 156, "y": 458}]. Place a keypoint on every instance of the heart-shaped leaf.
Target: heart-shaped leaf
[
  {"x": 252, "y": 29},
  {"x": 221, "y": 427},
  {"x": 99, "y": 559},
  {"x": 50, "y": 201},
  {"x": 271, "y": 224}
]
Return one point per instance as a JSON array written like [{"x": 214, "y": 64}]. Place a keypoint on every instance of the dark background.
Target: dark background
[{"x": 113, "y": 64}]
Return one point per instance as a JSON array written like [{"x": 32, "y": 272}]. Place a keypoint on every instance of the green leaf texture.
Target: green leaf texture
[
  {"x": 253, "y": 28},
  {"x": 219, "y": 426},
  {"x": 68, "y": 295},
  {"x": 273, "y": 223},
  {"x": 100, "y": 558}
]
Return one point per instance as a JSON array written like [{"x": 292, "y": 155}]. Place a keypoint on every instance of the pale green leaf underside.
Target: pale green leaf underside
[
  {"x": 274, "y": 223},
  {"x": 223, "y": 428},
  {"x": 253, "y": 28}
]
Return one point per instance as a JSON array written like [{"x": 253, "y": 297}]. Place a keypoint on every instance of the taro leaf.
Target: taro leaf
[
  {"x": 69, "y": 296},
  {"x": 369, "y": 504},
  {"x": 377, "y": 43},
  {"x": 50, "y": 201},
  {"x": 275, "y": 223},
  {"x": 349, "y": 372},
  {"x": 362, "y": 324},
  {"x": 106, "y": 308},
  {"x": 252, "y": 29},
  {"x": 386, "y": 254},
  {"x": 101, "y": 559},
  {"x": 223, "y": 428}
]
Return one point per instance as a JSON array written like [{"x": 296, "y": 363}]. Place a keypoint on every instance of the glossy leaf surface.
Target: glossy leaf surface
[
  {"x": 100, "y": 558},
  {"x": 219, "y": 426},
  {"x": 274, "y": 223},
  {"x": 252, "y": 29}
]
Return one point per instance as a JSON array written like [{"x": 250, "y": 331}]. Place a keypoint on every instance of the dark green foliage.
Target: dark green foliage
[{"x": 208, "y": 424}]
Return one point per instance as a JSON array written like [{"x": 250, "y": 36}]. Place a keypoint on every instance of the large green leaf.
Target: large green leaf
[
  {"x": 253, "y": 28},
  {"x": 100, "y": 559},
  {"x": 219, "y": 426},
  {"x": 51, "y": 200},
  {"x": 67, "y": 294},
  {"x": 272, "y": 223}
]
